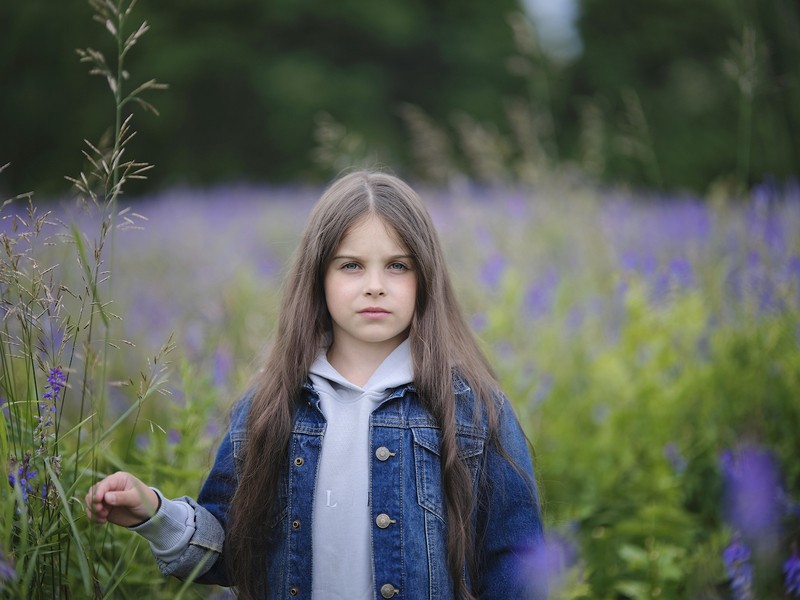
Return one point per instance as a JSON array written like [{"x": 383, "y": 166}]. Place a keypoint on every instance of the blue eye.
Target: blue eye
[
  {"x": 398, "y": 266},
  {"x": 351, "y": 266}
]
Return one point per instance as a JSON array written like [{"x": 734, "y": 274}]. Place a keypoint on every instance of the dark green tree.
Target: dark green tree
[
  {"x": 666, "y": 94},
  {"x": 248, "y": 81},
  {"x": 694, "y": 93}
]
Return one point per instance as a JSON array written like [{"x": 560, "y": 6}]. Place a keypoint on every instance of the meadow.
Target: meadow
[{"x": 649, "y": 343}]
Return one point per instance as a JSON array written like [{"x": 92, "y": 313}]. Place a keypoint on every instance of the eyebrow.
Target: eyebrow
[{"x": 354, "y": 257}]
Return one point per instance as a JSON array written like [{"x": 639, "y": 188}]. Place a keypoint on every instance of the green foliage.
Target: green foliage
[
  {"x": 630, "y": 389},
  {"x": 658, "y": 96},
  {"x": 632, "y": 393},
  {"x": 711, "y": 102},
  {"x": 57, "y": 434},
  {"x": 251, "y": 77},
  {"x": 633, "y": 378}
]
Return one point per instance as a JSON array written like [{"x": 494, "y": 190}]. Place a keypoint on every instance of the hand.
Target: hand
[{"x": 121, "y": 499}]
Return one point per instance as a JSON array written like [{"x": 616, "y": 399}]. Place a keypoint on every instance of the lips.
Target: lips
[{"x": 373, "y": 310}]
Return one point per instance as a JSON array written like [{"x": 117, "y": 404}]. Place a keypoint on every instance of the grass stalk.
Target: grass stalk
[{"x": 53, "y": 446}]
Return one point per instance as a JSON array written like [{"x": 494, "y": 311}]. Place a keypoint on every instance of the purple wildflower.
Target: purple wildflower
[
  {"x": 541, "y": 294},
  {"x": 493, "y": 270},
  {"x": 740, "y": 571},
  {"x": 21, "y": 475},
  {"x": 479, "y": 321},
  {"x": 763, "y": 218},
  {"x": 644, "y": 264},
  {"x": 174, "y": 436},
  {"x": 547, "y": 565},
  {"x": 7, "y": 570},
  {"x": 223, "y": 366},
  {"x": 789, "y": 275},
  {"x": 543, "y": 388},
  {"x": 793, "y": 268},
  {"x": 269, "y": 266},
  {"x": 673, "y": 454},
  {"x": 212, "y": 429},
  {"x": 753, "y": 492},
  {"x": 675, "y": 276},
  {"x": 791, "y": 571},
  {"x": 56, "y": 380},
  {"x": 680, "y": 271},
  {"x": 628, "y": 261},
  {"x": 517, "y": 206}
]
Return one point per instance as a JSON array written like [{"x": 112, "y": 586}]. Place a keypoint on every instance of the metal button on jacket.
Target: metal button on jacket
[
  {"x": 388, "y": 590},
  {"x": 383, "y": 520},
  {"x": 383, "y": 453}
]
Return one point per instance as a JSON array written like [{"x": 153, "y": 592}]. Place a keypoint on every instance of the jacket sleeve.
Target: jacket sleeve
[
  {"x": 180, "y": 538},
  {"x": 198, "y": 533},
  {"x": 509, "y": 520},
  {"x": 218, "y": 490}
]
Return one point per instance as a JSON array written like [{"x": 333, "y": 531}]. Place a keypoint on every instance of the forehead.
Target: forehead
[{"x": 371, "y": 230}]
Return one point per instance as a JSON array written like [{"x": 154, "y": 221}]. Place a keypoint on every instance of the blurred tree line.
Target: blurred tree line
[{"x": 664, "y": 94}]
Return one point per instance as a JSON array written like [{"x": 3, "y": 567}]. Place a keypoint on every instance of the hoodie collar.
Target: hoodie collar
[{"x": 394, "y": 371}]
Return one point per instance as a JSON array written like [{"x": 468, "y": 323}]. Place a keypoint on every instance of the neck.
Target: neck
[{"x": 358, "y": 363}]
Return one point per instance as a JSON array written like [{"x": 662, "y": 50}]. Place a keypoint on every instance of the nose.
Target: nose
[{"x": 374, "y": 285}]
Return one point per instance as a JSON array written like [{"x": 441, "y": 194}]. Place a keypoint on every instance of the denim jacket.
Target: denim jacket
[{"x": 406, "y": 503}]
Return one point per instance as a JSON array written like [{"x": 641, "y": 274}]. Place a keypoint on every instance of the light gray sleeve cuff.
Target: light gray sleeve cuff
[{"x": 170, "y": 529}]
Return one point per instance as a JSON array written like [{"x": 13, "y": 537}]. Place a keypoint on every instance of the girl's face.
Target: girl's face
[{"x": 370, "y": 289}]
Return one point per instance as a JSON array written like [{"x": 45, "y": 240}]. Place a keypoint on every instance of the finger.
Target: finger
[
  {"x": 99, "y": 517},
  {"x": 96, "y": 511},
  {"x": 117, "y": 481},
  {"x": 96, "y": 497},
  {"x": 137, "y": 499},
  {"x": 94, "y": 503}
]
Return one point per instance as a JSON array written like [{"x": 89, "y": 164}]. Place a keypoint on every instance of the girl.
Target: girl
[{"x": 375, "y": 456}]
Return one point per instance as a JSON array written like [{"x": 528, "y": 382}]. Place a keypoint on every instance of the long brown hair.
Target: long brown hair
[{"x": 441, "y": 342}]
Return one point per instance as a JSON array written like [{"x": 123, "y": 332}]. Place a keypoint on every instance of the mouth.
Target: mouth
[{"x": 373, "y": 311}]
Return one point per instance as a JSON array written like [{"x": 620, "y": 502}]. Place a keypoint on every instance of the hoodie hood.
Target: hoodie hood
[{"x": 394, "y": 371}]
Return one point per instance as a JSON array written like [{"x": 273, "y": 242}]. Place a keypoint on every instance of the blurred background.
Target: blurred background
[
  {"x": 681, "y": 96},
  {"x": 616, "y": 187}
]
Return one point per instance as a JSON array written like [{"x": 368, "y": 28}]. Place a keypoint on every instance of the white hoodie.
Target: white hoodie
[{"x": 341, "y": 525}]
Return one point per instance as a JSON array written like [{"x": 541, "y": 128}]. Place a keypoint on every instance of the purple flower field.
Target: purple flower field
[
  {"x": 563, "y": 249},
  {"x": 651, "y": 347}
]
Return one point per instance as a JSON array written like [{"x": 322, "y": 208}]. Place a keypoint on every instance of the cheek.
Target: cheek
[
  {"x": 329, "y": 290},
  {"x": 340, "y": 292}
]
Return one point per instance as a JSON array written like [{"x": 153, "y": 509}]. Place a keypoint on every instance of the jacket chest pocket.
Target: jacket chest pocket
[{"x": 428, "y": 465}]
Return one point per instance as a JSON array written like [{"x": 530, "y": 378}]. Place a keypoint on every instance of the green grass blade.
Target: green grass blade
[{"x": 76, "y": 537}]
